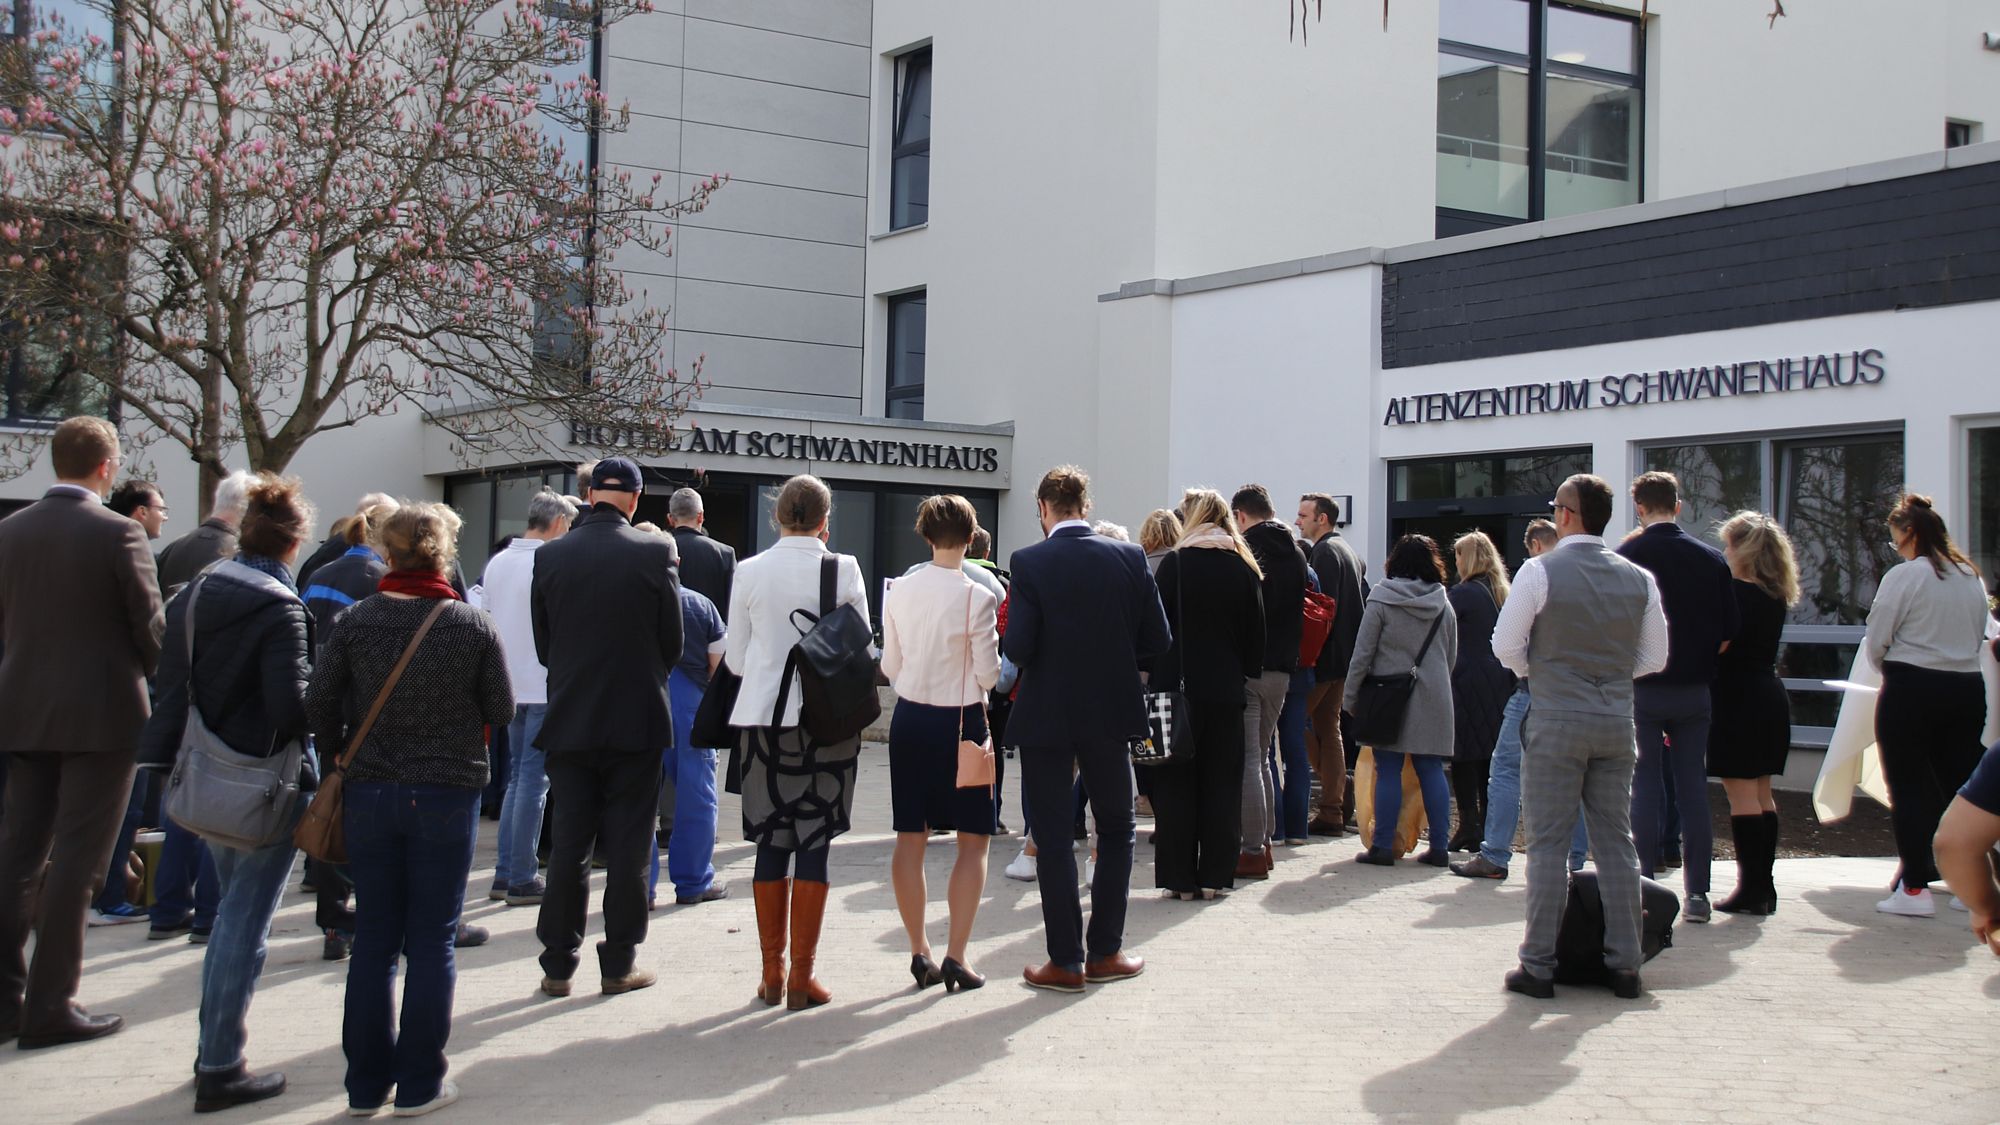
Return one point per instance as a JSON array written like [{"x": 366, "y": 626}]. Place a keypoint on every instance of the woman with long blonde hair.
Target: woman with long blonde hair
[
  {"x": 1209, "y": 585},
  {"x": 1480, "y": 685},
  {"x": 1752, "y": 729}
]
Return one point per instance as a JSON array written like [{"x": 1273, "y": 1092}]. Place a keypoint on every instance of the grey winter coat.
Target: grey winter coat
[{"x": 1399, "y": 614}]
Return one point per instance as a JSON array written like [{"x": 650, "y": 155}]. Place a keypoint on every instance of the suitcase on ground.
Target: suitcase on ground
[{"x": 1580, "y": 943}]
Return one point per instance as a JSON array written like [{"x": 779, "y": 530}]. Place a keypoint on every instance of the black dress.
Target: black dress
[
  {"x": 1480, "y": 684},
  {"x": 1751, "y": 731}
]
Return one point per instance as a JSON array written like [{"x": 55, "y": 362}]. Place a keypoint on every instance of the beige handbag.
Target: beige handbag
[{"x": 975, "y": 759}]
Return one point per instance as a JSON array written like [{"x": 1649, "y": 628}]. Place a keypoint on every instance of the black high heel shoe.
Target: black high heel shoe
[
  {"x": 957, "y": 976},
  {"x": 925, "y": 971}
]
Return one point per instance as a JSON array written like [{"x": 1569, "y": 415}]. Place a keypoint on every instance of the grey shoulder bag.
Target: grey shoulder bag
[{"x": 235, "y": 800}]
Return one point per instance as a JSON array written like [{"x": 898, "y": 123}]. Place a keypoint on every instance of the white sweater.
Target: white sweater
[
  {"x": 504, "y": 596},
  {"x": 939, "y": 645},
  {"x": 768, "y": 587},
  {"x": 1930, "y": 621}
]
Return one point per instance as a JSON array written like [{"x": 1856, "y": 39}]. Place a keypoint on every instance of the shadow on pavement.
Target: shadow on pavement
[
  {"x": 1879, "y": 949},
  {"x": 1517, "y": 1058}
]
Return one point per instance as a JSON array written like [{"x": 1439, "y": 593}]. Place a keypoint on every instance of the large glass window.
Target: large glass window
[
  {"x": 1982, "y": 494},
  {"x": 1539, "y": 112},
  {"x": 910, "y": 157},
  {"x": 1717, "y": 481},
  {"x": 1833, "y": 494},
  {"x": 562, "y": 308},
  {"x": 51, "y": 369},
  {"x": 907, "y": 330}
]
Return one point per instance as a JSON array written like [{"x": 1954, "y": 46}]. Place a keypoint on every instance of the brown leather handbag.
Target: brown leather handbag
[
  {"x": 320, "y": 833},
  {"x": 975, "y": 759}
]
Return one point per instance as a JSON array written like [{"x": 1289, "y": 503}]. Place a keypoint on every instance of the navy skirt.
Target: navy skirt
[{"x": 923, "y": 770}]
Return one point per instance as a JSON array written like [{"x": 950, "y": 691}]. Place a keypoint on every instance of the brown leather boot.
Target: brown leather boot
[
  {"x": 771, "y": 895},
  {"x": 808, "y": 910}
]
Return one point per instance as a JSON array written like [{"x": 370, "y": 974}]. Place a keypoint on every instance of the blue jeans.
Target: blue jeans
[
  {"x": 1389, "y": 796},
  {"x": 186, "y": 881},
  {"x": 691, "y": 771},
  {"x": 112, "y": 895},
  {"x": 1503, "y": 790},
  {"x": 527, "y": 795},
  {"x": 253, "y": 883},
  {"x": 409, "y": 849},
  {"x": 1294, "y": 785}
]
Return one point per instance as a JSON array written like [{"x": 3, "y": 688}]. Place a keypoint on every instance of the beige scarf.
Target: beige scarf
[{"x": 1207, "y": 535}]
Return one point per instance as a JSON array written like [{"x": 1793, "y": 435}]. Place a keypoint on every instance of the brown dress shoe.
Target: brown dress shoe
[
  {"x": 1118, "y": 966},
  {"x": 1053, "y": 977},
  {"x": 632, "y": 981},
  {"x": 76, "y": 1026},
  {"x": 1250, "y": 865}
]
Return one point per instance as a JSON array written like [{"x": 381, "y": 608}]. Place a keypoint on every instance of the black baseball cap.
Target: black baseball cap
[{"x": 616, "y": 474}]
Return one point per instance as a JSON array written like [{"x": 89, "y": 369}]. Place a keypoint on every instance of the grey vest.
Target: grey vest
[{"x": 1585, "y": 642}]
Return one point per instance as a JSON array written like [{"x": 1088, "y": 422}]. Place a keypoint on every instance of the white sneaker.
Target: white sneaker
[
  {"x": 1919, "y": 905},
  {"x": 447, "y": 1094},
  {"x": 1023, "y": 867}
]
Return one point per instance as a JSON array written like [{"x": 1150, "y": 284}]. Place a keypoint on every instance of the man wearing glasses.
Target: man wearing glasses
[{"x": 1580, "y": 623}]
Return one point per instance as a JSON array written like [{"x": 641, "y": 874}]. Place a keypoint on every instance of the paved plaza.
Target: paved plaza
[{"x": 1334, "y": 992}]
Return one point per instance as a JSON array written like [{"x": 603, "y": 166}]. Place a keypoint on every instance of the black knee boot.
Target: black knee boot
[
  {"x": 1750, "y": 897},
  {"x": 1770, "y": 860}
]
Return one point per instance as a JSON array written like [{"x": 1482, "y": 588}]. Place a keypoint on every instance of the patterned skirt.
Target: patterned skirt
[{"x": 796, "y": 795}]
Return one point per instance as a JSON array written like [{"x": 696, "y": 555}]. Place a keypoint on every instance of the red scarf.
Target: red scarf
[{"x": 422, "y": 583}]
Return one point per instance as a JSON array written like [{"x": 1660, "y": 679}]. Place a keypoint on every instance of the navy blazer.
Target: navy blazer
[
  {"x": 1083, "y": 612},
  {"x": 1698, "y": 595}
]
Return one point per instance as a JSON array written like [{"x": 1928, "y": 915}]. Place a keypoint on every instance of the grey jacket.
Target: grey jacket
[{"x": 1399, "y": 614}]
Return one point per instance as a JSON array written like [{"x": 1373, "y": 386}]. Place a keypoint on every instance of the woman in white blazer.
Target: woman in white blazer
[
  {"x": 797, "y": 793},
  {"x": 940, "y": 650}
]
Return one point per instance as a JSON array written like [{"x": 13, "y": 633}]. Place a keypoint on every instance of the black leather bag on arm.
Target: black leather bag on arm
[
  {"x": 836, "y": 667},
  {"x": 1384, "y": 702}
]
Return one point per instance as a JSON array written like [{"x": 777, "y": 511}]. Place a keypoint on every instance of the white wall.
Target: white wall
[{"x": 1042, "y": 196}]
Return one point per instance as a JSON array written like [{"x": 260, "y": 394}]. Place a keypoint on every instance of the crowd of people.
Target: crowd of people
[{"x": 587, "y": 672}]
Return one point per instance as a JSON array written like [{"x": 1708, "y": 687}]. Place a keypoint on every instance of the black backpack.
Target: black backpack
[
  {"x": 836, "y": 666},
  {"x": 1580, "y": 942}
]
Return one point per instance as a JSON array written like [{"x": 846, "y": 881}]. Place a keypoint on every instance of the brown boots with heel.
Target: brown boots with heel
[{"x": 807, "y": 909}]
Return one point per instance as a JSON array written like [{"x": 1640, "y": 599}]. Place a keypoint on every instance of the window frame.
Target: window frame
[
  {"x": 577, "y": 344},
  {"x": 907, "y": 66},
  {"x": 1454, "y": 220},
  {"x": 1771, "y": 445},
  {"x": 891, "y": 393}
]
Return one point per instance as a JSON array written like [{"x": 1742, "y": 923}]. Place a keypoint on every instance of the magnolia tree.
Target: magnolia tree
[{"x": 248, "y": 222}]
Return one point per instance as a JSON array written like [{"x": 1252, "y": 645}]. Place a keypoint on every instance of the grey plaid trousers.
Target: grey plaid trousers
[{"x": 1569, "y": 756}]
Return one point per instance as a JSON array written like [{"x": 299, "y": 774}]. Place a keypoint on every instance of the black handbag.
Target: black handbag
[
  {"x": 1384, "y": 701},
  {"x": 1169, "y": 736},
  {"x": 836, "y": 667},
  {"x": 711, "y": 719}
]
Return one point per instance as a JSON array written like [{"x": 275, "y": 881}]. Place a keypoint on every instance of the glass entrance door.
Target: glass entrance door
[{"x": 1497, "y": 493}]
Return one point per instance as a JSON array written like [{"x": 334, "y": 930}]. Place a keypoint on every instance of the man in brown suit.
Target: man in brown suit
[{"x": 80, "y": 620}]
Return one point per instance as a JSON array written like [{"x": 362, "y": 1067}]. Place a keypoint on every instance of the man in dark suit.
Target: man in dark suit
[
  {"x": 605, "y": 606},
  {"x": 1671, "y": 707},
  {"x": 707, "y": 567},
  {"x": 1084, "y": 612},
  {"x": 1339, "y": 572},
  {"x": 80, "y": 625}
]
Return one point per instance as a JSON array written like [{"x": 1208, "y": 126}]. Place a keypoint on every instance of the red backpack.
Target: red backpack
[{"x": 1316, "y": 627}]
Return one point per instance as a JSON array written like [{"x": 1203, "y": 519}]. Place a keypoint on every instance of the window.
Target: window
[
  {"x": 80, "y": 22},
  {"x": 55, "y": 364},
  {"x": 563, "y": 306},
  {"x": 905, "y": 397},
  {"x": 1982, "y": 502},
  {"x": 1833, "y": 494},
  {"x": 1958, "y": 134},
  {"x": 51, "y": 375},
  {"x": 910, "y": 157},
  {"x": 1539, "y": 112}
]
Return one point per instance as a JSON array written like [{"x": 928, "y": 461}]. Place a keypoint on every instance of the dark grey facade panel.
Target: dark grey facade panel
[{"x": 1914, "y": 242}]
